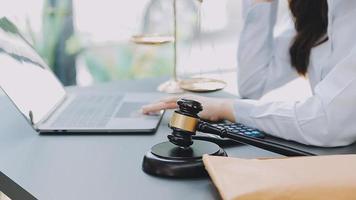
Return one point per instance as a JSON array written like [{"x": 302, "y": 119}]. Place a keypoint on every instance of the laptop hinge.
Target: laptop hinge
[{"x": 30, "y": 115}]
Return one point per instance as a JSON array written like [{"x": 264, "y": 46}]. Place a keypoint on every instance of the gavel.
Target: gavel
[
  {"x": 182, "y": 155},
  {"x": 185, "y": 122}
]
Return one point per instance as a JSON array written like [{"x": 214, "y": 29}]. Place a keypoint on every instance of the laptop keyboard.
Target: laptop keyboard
[{"x": 88, "y": 111}]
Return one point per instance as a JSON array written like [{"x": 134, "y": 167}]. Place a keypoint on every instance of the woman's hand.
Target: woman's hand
[{"x": 214, "y": 109}]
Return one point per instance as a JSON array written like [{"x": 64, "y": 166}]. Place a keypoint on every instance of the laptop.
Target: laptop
[{"x": 41, "y": 98}]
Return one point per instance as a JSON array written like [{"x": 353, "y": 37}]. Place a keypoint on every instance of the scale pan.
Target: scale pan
[
  {"x": 202, "y": 84},
  {"x": 152, "y": 39}
]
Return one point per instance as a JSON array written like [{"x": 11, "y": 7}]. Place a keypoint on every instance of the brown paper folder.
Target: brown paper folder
[{"x": 298, "y": 178}]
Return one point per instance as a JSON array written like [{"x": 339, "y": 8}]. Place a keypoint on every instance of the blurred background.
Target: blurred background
[{"x": 88, "y": 42}]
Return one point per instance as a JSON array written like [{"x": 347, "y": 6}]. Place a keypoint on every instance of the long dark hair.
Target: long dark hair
[{"x": 311, "y": 24}]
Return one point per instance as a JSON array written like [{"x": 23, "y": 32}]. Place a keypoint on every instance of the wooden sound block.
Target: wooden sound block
[{"x": 168, "y": 160}]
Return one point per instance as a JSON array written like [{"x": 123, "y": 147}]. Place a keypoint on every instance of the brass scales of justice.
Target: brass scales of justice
[{"x": 176, "y": 85}]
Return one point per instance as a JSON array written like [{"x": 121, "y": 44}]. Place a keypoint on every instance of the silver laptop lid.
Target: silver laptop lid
[{"x": 25, "y": 77}]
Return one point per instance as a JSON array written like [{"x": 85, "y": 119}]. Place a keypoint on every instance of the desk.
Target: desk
[{"x": 92, "y": 167}]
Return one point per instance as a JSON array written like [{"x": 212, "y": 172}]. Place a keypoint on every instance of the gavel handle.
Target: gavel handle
[{"x": 260, "y": 143}]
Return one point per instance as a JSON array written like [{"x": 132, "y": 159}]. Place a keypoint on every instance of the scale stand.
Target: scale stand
[{"x": 176, "y": 86}]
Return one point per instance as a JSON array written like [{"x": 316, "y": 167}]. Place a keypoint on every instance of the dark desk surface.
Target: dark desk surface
[{"x": 92, "y": 167}]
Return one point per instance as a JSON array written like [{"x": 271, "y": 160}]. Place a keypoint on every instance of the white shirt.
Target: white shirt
[{"x": 328, "y": 118}]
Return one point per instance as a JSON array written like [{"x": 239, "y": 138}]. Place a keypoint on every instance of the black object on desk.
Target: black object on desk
[
  {"x": 235, "y": 128},
  {"x": 182, "y": 157}
]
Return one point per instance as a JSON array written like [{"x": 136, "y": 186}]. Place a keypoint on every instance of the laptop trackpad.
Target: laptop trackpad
[
  {"x": 129, "y": 116},
  {"x": 130, "y": 110}
]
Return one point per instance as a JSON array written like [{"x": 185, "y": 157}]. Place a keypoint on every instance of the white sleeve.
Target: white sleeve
[
  {"x": 263, "y": 59},
  {"x": 325, "y": 119}
]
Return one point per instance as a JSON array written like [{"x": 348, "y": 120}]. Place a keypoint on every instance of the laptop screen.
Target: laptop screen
[{"x": 25, "y": 77}]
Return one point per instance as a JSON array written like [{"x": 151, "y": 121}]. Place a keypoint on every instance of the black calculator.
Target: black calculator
[
  {"x": 234, "y": 128},
  {"x": 237, "y": 128}
]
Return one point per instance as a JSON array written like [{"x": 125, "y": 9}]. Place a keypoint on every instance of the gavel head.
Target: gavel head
[{"x": 184, "y": 122}]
